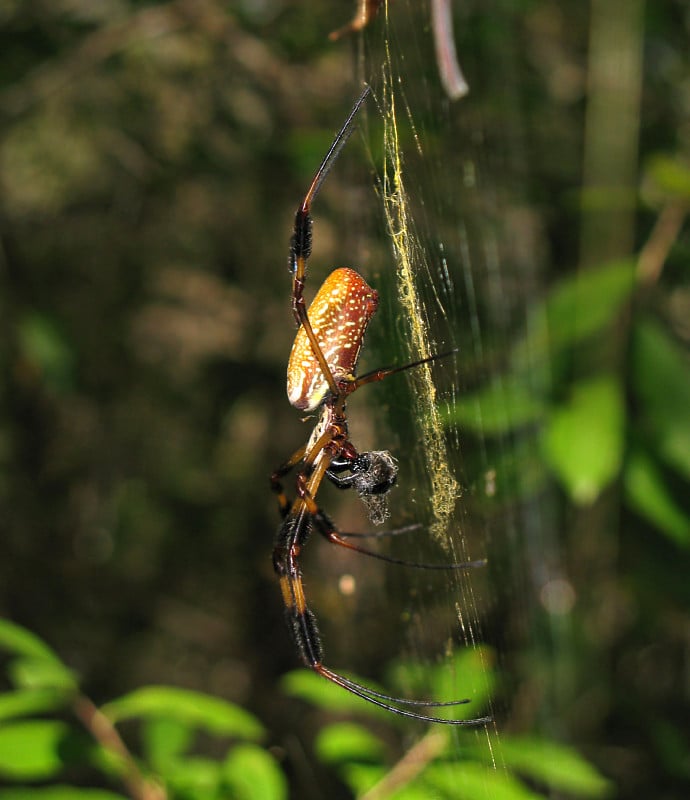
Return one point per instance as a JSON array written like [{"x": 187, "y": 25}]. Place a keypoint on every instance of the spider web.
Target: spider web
[
  {"x": 442, "y": 222},
  {"x": 409, "y": 255}
]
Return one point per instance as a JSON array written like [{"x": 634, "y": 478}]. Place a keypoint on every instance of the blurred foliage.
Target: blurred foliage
[
  {"x": 40, "y": 749},
  {"x": 431, "y": 768},
  {"x": 151, "y": 157},
  {"x": 36, "y": 748}
]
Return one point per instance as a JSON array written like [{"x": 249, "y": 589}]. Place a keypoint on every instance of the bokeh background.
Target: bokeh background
[{"x": 152, "y": 156}]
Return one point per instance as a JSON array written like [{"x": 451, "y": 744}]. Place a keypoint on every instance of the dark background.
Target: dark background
[{"x": 151, "y": 158}]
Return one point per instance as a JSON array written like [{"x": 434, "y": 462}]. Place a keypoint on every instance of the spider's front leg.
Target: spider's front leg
[{"x": 328, "y": 434}]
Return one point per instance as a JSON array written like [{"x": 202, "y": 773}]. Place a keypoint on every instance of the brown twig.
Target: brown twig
[
  {"x": 653, "y": 255},
  {"x": 410, "y": 765},
  {"x": 105, "y": 733}
]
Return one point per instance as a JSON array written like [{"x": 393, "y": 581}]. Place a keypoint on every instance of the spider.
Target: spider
[{"x": 321, "y": 377}]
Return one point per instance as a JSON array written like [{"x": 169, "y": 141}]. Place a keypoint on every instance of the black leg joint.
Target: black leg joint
[
  {"x": 305, "y": 635},
  {"x": 300, "y": 243}
]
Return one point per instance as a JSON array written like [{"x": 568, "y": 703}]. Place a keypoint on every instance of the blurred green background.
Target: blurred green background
[{"x": 152, "y": 156}]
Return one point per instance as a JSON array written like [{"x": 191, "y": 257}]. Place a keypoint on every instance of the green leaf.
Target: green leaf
[
  {"x": 561, "y": 768},
  {"x": 32, "y": 750},
  {"x": 361, "y": 777},
  {"x": 419, "y": 790},
  {"x": 661, "y": 375},
  {"x": 253, "y": 774},
  {"x": 576, "y": 309},
  {"x": 584, "y": 439},
  {"x": 671, "y": 747},
  {"x": 22, "y": 642},
  {"x": 165, "y": 740},
  {"x": 195, "y": 777},
  {"x": 41, "y": 673},
  {"x": 314, "y": 689},
  {"x": 191, "y": 708},
  {"x": 647, "y": 492},
  {"x": 471, "y": 781},
  {"x": 346, "y": 741},
  {"x": 670, "y": 175},
  {"x": 25, "y": 702},
  {"x": 503, "y": 406},
  {"x": 46, "y": 350},
  {"x": 57, "y": 793},
  {"x": 467, "y": 675}
]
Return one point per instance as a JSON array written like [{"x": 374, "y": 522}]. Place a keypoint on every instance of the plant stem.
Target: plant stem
[
  {"x": 410, "y": 765},
  {"x": 105, "y": 733}
]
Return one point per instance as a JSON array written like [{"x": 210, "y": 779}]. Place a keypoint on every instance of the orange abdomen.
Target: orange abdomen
[{"x": 339, "y": 315}]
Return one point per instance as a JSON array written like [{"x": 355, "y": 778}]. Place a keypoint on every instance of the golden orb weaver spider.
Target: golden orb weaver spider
[{"x": 320, "y": 375}]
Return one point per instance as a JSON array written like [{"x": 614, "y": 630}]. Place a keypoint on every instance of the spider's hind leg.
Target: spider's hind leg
[
  {"x": 305, "y": 635},
  {"x": 327, "y": 529}
]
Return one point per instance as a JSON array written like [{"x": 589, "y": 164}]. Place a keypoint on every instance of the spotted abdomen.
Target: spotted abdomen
[{"x": 339, "y": 315}]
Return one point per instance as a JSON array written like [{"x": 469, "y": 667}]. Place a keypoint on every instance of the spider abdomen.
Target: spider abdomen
[{"x": 339, "y": 315}]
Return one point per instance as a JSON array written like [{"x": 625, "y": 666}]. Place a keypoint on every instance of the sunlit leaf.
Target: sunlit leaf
[
  {"x": 469, "y": 672},
  {"x": 193, "y": 777},
  {"x": 22, "y": 642},
  {"x": 57, "y": 793},
  {"x": 418, "y": 790},
  {"x": 575, "y": 309},
  {"x": 314, "y": 689},
  {"x": 515, "y": 472},
  {"x": 647, "y": 492},
  {"x": 471, "y": 781},
  {"x": 361, "y": 777},
  {"x": 670, "y": 175},
  {"x": 661, "y": 374},
  {"x": 561, "y": 768},
  {"x": 192, "y": 708},
  {"x": 32, "y": 750},
  {"x": 41, "y": 673},
  {"x": 346, "y": 741},
  {"x": 25, "y": 702},
  {"x": 165, "y": 739},
  {"x": 467, "y": 675},
  {"x": 584, "y": 439},
  {"x": 253, "y": 774},
  {"x": 503, "y": 406}
]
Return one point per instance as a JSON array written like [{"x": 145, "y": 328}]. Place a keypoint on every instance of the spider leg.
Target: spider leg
[
  {"x": 401, "y": 531},
  {"x": 292, "y": 536},
  {"x": 280, "y": 472},
  {"x": 371, "y": 697},
  {"x": 341, "y": 311},
  {"x": 301, "y": 241},
  {"x": 328, "y": 530},
  {"x": 384, "y": 372},
  {"x": 329, "y": 159},
  {"x": 302, "y": 624}
]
